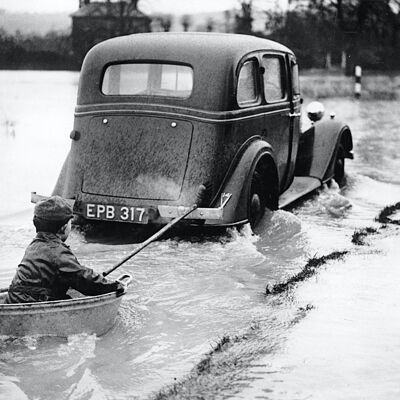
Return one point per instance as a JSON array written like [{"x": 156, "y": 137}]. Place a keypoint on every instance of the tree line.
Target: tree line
[
  {"x": 322, "y": 33},
  {"x": 344, "y": 33},
  {"x": 51, "y": 51}
]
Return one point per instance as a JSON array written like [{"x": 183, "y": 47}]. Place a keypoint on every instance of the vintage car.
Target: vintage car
[{"x": 167, "y": 120}]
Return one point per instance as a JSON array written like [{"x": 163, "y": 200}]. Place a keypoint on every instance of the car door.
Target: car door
[
  {"x": 295, "y": 113},
  {"x": 278, "y": 127}
]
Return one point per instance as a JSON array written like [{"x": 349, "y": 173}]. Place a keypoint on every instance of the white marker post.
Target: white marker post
[{"x": 357, "y": 86}]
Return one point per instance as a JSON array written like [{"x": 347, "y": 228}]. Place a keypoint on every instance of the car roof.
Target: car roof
[
  {"x": 213, "y": 57},
  {"x": 184, "y": 43}
]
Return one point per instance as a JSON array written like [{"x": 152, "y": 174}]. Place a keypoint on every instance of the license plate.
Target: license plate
[{"x": 108, "y": 212}]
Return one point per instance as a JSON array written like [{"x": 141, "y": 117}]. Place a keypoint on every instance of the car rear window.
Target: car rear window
[{"x": 148, "y": 79}]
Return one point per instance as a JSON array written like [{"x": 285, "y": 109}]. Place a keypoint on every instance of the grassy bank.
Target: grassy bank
[{"x": 322, "y": 84}]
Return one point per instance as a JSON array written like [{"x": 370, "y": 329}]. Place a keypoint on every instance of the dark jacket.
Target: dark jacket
[{"x": 49, "y": 269}]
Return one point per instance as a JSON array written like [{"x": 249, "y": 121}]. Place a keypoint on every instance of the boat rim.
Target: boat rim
[{"x": 61, "y": 303}]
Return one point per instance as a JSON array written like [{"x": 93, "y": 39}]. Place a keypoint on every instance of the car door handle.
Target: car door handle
[{"x": 292, "y": 115}]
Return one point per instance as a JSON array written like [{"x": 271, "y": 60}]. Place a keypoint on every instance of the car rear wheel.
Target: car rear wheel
[
  {"x": 257, "y": 201},
  {"x": 262, "y": 191},
  {"x": 339, "y": 170}
]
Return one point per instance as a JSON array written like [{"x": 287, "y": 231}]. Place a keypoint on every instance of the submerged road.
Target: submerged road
[{"x": 329, "y": 336}]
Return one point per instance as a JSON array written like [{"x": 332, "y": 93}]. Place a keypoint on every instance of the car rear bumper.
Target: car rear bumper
[{"x": 163, "y": 213}]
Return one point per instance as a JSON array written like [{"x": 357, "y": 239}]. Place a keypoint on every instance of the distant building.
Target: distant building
[{"x": 96, "y": 21}]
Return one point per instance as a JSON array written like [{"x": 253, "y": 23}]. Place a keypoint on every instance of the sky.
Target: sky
[{"x": 147, "y": 6}]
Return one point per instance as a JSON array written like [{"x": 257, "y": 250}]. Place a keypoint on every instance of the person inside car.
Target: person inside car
[{"x": 49, "y": 268}]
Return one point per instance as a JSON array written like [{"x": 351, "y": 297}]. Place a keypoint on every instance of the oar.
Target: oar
[
  {"x": 3, "y": 290},
  {"x": 149, "y": 240}
]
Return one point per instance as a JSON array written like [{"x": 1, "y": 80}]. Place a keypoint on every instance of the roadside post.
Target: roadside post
[{"x": 357, "y": 86}]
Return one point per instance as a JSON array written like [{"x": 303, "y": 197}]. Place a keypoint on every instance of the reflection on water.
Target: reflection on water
[
  {"x": 187, "y": 293},
  {"x": 9, "y": 128}
]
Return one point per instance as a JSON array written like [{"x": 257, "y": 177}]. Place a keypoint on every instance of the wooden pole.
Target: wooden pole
[
  {"x": 357, "y": 85},
  {"x": 149, "y": 240}
]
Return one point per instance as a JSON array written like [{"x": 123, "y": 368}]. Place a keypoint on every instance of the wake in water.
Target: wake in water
[{"x": 328, "y": 202}]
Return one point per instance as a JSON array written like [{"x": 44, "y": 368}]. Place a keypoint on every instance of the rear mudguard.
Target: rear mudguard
[
  {"x": 238, "y": 178},
  {"x": 64, "y": 178},
  {"x": 318, "y": 146}
]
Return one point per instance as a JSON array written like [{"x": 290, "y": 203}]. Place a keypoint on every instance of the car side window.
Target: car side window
[
  {"x": 274, "y": 89},
  {"x": 247, "y": 89}
]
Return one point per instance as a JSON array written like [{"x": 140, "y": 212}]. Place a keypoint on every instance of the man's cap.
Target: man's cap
[{"x": 55, "y": 208}]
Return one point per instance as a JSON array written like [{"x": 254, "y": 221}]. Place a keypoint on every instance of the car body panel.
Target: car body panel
[
  {"x": 317, "y": 148},
  {"x": 237, "y": 180},
  {"x": 136, "y": 157}
]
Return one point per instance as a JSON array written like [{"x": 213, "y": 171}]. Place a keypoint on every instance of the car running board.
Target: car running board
[{"x": 301, "y": 186}]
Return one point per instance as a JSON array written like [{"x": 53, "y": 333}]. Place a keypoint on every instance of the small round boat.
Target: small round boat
[{"x": 83, "y": 314}]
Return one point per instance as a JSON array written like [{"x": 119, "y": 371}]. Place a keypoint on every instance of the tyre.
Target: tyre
[
  {"x": 257, "y": 200},
  {"x": 339, "y": 174},
  {"x": 263, "y": 191}
]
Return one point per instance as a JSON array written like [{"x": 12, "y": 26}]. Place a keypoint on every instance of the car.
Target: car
[{"x": 167, "y": 120}]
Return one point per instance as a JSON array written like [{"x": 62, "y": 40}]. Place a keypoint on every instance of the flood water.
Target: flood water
[{"x": 188, "y": 293}]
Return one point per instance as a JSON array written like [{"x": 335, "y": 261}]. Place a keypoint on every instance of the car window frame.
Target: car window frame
[
  {"x": 146, "y": 61},
  {"x": 294, "y": 78},
  {"x": 258, "y": 98},
  {"x": 284, "y": 76}
]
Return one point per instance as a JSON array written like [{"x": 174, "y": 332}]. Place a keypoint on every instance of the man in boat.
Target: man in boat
[{"x": 49, "y": 268}]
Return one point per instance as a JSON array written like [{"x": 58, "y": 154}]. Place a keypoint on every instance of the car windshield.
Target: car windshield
[{"x": 148, "y": 79}]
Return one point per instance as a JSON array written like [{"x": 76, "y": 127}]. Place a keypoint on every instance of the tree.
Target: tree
[
  {"x": 165, "y": 22},
  {"x": 186, "y": 21},
  {"x": 244, "y": 19},
  {"x": 210, "y": 25}
]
